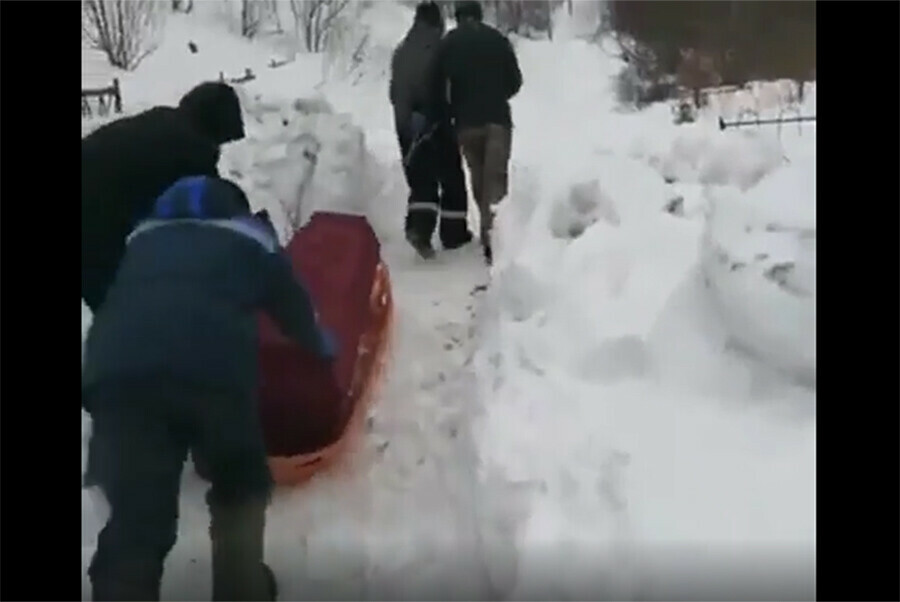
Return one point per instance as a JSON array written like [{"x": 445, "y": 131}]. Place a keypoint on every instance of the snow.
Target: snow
[
  {"x": 615, "y": 394},
  {"x": 622, "y": 414}
]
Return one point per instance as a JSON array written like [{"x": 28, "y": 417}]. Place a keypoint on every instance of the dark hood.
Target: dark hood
[{"x": 214, "y": 109}]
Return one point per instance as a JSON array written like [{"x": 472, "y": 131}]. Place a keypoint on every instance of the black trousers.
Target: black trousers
[
  {"x": 437, "y": 186},
  {"x": 142, "y": 432}
]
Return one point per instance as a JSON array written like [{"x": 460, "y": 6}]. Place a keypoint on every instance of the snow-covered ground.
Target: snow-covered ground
[{"x": 628, "y": 412}]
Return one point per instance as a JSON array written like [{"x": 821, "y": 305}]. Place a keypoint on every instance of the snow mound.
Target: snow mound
[
  {"x": 298, "y": 157},
  {"x": 585, "y": 204},
  {"x": 613, "y": 392},
  {"x": 759, "y": 262},
  {"x": 701, "y": 154}
]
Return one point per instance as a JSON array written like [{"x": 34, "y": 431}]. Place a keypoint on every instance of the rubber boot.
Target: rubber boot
[{"x": 237, "y": 532}]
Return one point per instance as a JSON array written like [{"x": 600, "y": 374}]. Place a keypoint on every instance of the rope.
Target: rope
[{"x": 407, "y": 158}]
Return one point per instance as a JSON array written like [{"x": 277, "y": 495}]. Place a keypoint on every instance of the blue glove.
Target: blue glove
[{"x": 328, "y": 346}]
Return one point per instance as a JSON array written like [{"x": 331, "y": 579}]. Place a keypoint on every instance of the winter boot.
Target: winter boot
[
  {"x": 423, "y": 247},
  {"x": 237, "y": 531},
  {"x": 454, "y": 242}
]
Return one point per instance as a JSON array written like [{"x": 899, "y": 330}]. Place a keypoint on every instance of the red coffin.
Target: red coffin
[{"x": 310, "y": 408}]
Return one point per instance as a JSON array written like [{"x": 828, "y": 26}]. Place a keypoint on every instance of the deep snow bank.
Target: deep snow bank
[
  {"x": 759, "y": 264},
  {"x": 298, "y": 156},
  {"x": 614, "y": 406}
]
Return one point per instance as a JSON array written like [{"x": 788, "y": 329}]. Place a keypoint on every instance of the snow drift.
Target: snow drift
[{"x": 616, "y": 405}]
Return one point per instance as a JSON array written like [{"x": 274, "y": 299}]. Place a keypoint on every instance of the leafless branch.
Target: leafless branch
[{"x": 123, "y": 29}]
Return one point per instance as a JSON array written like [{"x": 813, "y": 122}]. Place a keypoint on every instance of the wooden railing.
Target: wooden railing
[{"x": 107, "y": 98}]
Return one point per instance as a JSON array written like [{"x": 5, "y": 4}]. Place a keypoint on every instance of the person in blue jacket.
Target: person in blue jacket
[{"x": 171, "y": 367}]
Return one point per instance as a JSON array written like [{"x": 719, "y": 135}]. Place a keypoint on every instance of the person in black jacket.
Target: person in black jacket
[
  {"x": 428, "y": 144},
  {"x": 480, "y": 66},
  {"x": 171, "y": 366},
  {"x": 127, "y": 164}
]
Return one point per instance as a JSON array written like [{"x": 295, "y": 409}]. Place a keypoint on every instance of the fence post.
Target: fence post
[{"x": 117, "y": 95}]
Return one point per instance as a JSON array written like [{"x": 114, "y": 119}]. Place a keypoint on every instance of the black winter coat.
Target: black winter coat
[
  {"x": 185, "y": 300},
  {"x": 480, "y": 65},
  {"x": 127, "y": 164},
  {"x": 412, "y": 73}
]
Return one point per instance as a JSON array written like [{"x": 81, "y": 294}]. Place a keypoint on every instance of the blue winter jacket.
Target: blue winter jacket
[{"x": 184, "y": 301}]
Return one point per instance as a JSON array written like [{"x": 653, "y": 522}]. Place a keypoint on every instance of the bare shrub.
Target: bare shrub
[
  {"x": 251, "y": 17},
  {"x": 258, "y": 17},
  {"x": 348, "y": 46},
  {"x": 642, "y": 81},
  {"x": 314, "y": 19},
  {"x": 125, "y": 30},
  {"x": 529, "y": 18},
  {"x": 729, "y": 42}
]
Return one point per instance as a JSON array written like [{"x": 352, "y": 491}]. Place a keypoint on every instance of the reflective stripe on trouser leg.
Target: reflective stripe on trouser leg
[
  {"x": 454, "y": 228},
  {"x": 433, "y": 207},
  {"x": 421, "y": 219}
]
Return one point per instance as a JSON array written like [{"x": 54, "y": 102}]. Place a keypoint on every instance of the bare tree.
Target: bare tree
[
  {"x": 123, "y": 29},
  {"x": 251, "y": 16},
  {"x": 314, "y": 19},
  {"x": 258, "y": 17},
  {"x": 524, "y": 17},
  {"x": 274, "y": 15},
  {"x": 745, "y": 41}
]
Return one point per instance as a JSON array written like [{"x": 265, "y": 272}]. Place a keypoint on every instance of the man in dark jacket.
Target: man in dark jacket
[
  {"x": 428, "y": 143},
  {"x": 171, "y": 366},
  {"x": 127, "y": 164},
  {"x": 480, "y": 66}
]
